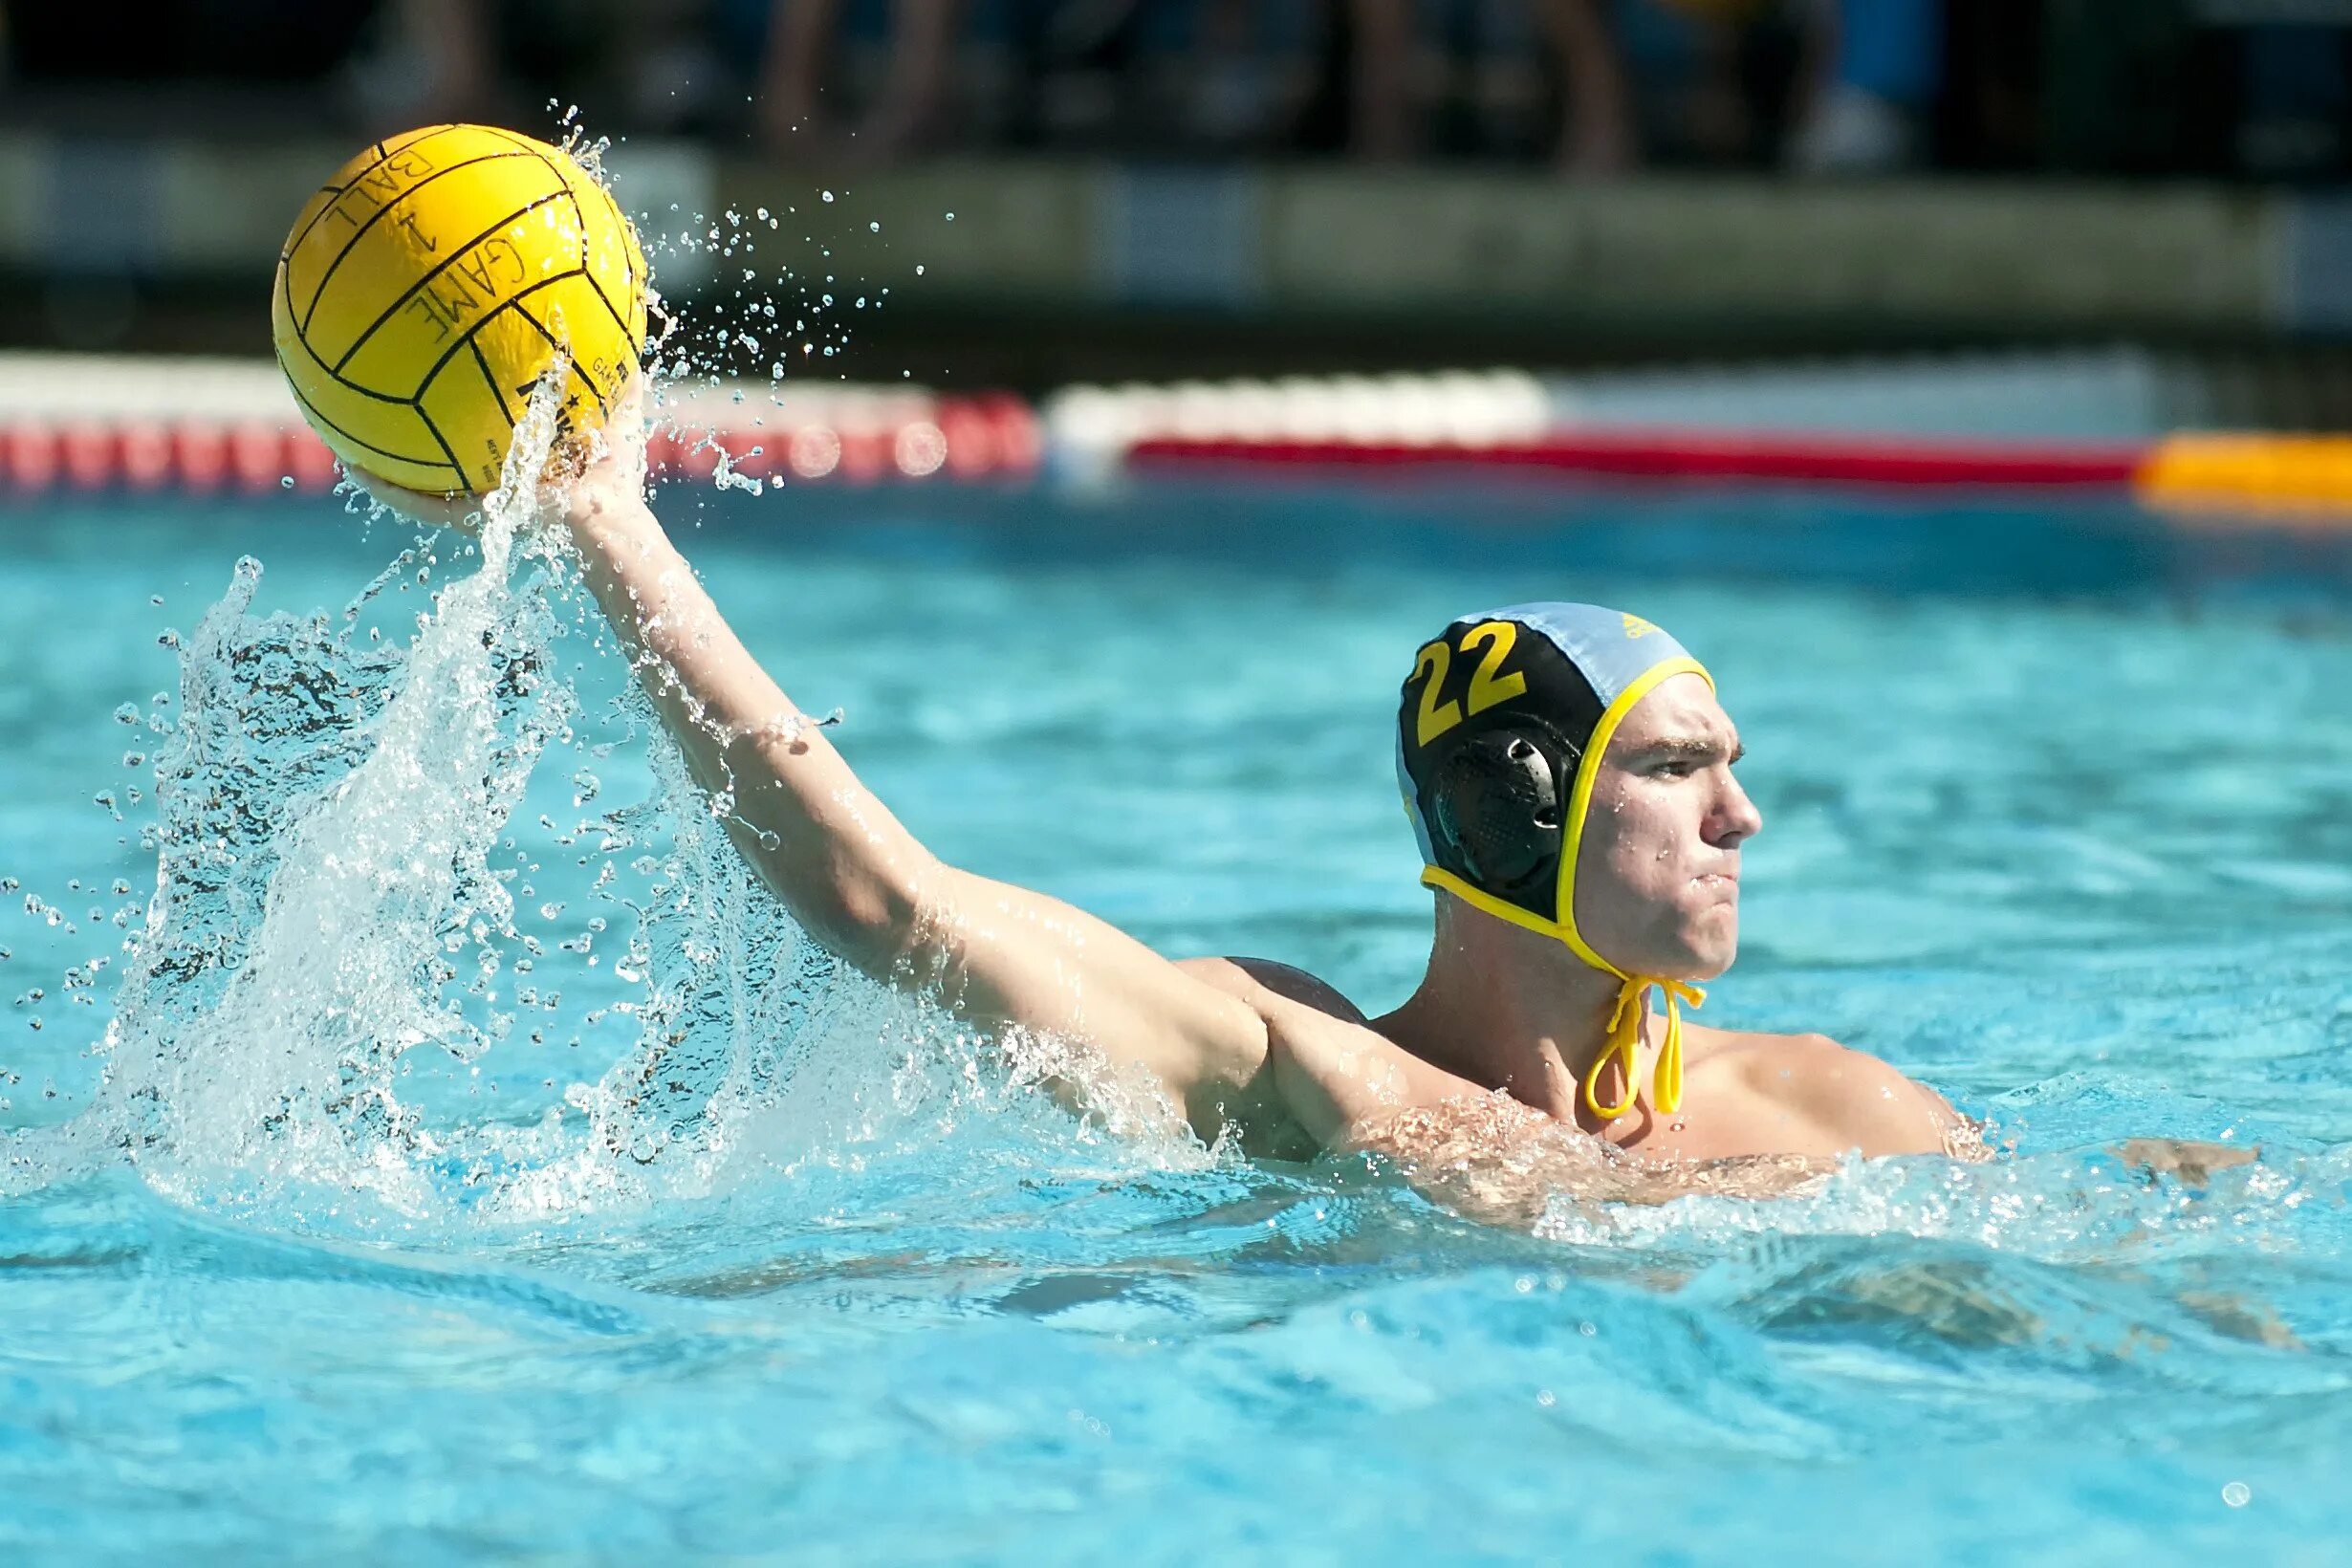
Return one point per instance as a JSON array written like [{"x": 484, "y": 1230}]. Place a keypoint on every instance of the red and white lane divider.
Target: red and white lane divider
[
  {"x": 1505, "y": 423},
  {"x": 80, "y": 422},
  {"x": 192, "y": 455},
  {"x": 212, "y": 426},
  {"x": 1099, "y": 431},
  {"x": 861, "y": 439},
  {"x": 1689, "y": 456}
]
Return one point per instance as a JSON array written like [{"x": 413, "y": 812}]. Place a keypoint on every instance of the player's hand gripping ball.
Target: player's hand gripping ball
[{"x": 428, "y": 286}]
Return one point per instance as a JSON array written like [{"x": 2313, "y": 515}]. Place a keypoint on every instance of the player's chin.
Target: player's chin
[{"x": 1709, "y": 941}]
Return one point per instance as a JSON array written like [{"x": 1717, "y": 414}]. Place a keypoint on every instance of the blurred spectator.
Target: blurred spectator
[
  {"x": 1825, "y": 86},
  {"x": 652, "y": 65},
  {"x": 1403, "y": 54},
  {"x": 286, "y": 60},
  {"x": 1252, "y": 67},
  {"x": 798, "y": 115},
  {"x": 2298, "y": 96},
  {"x": 2116, "y": 87},
  {"x": 455, "y": 63},
  {"x": 1596, "y": 134},
  {"x": 1185, "y": 76},
  {"x": 1830, "y": 85},
  {"x": 255, "y": 41},
  {"x": 1867, "y": 112}
]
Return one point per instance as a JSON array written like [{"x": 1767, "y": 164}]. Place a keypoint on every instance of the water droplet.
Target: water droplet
[
  {"x": 874, "y": 228},
  {"x": 285, "y": 481},
  {"x": 828, "y": 195},
  {"x": 951, "y": 217},
  {"x": 2237, "y": 1494}
]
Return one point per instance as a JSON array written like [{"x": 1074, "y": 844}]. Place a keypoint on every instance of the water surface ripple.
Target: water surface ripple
[{"x": 569, "y": 1207}]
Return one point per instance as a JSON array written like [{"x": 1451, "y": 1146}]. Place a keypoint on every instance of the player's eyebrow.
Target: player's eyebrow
[{"x": 1692, "y": 748}]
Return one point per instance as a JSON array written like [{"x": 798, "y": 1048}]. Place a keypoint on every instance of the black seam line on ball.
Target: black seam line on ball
[
  {"x": 496, "y": 391},
  {"x": 628, "y": 260},
  {"x": 455, "y": 256},
  {"x": 534, "y": 150},
  {"x": 435, "y": 431},
  {"x": 382, "y": 157},
  {"x": 312, "y": 410},
  {"x": 328, "y": 276},
  {"x": 466, "y": 342},
  {"x": 619, "y": 321},
  {"x": 344, "y": 381},
  {"x": 570, "y": 360}
]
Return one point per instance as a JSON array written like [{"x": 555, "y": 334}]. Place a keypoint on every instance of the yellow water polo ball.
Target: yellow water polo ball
[{"x": 428, "y": 286}]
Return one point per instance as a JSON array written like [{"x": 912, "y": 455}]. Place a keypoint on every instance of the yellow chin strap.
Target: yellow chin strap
[
  {"x": 1624, "y": 1041},
  {"x": 1626, "y": 1046}
]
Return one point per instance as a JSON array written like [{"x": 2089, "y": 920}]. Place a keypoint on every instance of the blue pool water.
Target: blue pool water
[{"x": 329, "y": 1232}]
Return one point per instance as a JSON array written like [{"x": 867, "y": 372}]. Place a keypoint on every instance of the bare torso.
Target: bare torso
[{"x": 1337, "y": 1079}]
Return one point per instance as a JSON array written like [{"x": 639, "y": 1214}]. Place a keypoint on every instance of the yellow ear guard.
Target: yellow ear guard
[{"x": 1504, "y": 715}]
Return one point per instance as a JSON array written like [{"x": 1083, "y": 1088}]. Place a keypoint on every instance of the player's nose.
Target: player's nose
[{"x": 1736, "y": 818}]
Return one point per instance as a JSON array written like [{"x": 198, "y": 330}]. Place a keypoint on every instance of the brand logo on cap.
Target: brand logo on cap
[{"x": 1636, "y": 626}]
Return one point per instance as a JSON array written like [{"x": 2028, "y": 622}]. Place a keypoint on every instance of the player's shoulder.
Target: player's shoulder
[
  {"x": 1266, "y": 985},
  {"x": 1762, "y": 1060},
  {"x": 1850, "y": 1097}
]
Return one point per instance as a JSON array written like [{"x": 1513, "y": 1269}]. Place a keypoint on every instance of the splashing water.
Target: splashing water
[
  {"x": 329, "y": 915},
  {"x": 354, "y": 937}
]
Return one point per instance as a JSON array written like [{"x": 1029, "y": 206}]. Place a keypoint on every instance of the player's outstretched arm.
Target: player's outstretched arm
[
  {"x": 850, "y": 873},
  {"x": 856, "y": 879}
]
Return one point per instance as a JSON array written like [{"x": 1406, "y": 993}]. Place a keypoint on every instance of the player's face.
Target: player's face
[{"x": 1658, "y": 872}]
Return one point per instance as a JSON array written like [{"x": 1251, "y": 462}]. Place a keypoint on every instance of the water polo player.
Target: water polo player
[{"x": 1569, "y": 772}]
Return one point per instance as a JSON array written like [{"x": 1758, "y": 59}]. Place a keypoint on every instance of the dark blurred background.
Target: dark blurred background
[
  {"x": 2233, "y": 89},
  {"x": 1284, "y": 183}
]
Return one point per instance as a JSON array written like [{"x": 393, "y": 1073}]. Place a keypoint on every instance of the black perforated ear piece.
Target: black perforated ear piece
[{"x": 1499, "y": 808}]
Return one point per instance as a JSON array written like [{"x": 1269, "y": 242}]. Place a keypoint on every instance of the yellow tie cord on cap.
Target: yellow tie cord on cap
[{"x": 1626, "y": 1042}]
